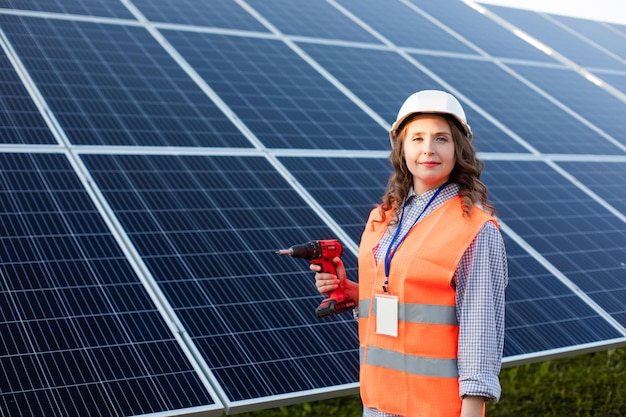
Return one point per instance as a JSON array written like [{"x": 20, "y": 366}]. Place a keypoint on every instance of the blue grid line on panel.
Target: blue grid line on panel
[
  {"x": 208, "y": 228},
  {"x": 101, "y": 8},
  {"x": 570, "y": 230},
  {"x": 533, "y": 117},
  {"x": 114, "y": 85},
  {"x": 557, "y": 38},
  {"x": 81, "y": 336},
  {"x": 279, "y": 96}
]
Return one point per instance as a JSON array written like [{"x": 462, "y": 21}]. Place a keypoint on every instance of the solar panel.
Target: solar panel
[
  {"x": 600, "y": 34},
  {"x": 481, "y": 31},
  {"x": 80, "y": 333},
  {"x": 156, "y": 154},
  {"x": 597, "y": 107},
  {"x": 365, "y": 72},
  {"x": 572, "y": 45},
  {"x": 310, "y": 19},
  {"x": 513, "y": 103},
  {"x": 207, "y": 228},
  {"x": 278, "y": 95},
  {"x": 20, "y": 121},
  {"x": 603, "y": 178},
  {"x": 617, "y": 27},
  {"x": 544, "y": 312},
  {"x": 114, "y": 85},
  {"x": 100, "y": 8},
  {"x": 571, "y": 230},
  {"x": 417, "y": 30},
  {"x": 564, "y": 317},
  {"x": 617, "y": 80},
  {"x": 225, "y": 14}
]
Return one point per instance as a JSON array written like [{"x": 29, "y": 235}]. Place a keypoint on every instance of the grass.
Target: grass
[{"x": 590, "y": 385}]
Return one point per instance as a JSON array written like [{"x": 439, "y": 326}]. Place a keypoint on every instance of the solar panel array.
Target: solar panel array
[{"x": 156, "y": 153}]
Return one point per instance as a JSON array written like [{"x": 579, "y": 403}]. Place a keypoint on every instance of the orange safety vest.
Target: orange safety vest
[{"x": 415, "y": 373}]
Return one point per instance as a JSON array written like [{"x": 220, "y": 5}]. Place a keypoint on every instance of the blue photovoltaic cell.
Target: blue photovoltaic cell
[
  {"x": 100, "y": 8},
  {"x": 599, "y": 107},
  {"x": 80, "y": 335},
  {"x": 366, "y": 73},
  {"x": 597, "y": 32},
  {"x": 603, "y": 178},
  {"x": 480, "y": 30},
  {"x": 574, "y": 233},
  {"x": 279, "y": 96},
  {"x": 557, "y": 38},
  {"x": 20, "y": 121},
  {"x": 404, "y": 26},
  {"x": 531, "y": 116},
  {"x": 115, "y": 85},
  {"x": 226, "y": 14},
  {"x": 313, "y": 18},
  {"x": 208, "y": 229}
]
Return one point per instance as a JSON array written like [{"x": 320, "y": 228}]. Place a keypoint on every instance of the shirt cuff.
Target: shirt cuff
[{"x": 487, "y": 386}]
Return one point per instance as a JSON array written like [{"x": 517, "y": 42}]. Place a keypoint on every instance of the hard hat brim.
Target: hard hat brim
[
  {"x": 431, "y": 102},
  {"x": 465, "y": 128}
]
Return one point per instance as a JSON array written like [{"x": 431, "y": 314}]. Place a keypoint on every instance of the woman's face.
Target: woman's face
[{"x": 428, "y": 151}]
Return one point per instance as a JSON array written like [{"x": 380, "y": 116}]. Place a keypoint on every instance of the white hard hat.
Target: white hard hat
[{"x": 430, "y": 101}]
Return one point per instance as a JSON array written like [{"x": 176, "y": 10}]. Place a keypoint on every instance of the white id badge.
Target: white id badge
[{"x": 387, "y": 314}]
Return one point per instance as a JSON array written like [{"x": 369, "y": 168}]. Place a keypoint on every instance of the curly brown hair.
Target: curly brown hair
[{"x": 466, "y": 172}]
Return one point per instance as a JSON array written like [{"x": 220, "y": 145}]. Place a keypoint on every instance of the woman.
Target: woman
[{"x": 432, "y": 273}]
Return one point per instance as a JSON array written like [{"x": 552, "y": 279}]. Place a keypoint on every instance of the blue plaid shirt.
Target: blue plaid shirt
[{"x": 480, "y": 280}]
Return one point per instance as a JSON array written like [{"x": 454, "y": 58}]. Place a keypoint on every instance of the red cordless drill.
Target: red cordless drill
[{"x": 322, "y": 252}]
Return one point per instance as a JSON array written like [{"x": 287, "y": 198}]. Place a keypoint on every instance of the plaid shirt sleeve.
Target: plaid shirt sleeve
[{"x": 481, "y": 279}]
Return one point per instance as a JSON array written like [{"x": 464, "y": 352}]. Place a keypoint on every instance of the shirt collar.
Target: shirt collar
[{"x": 451, "y": 187}]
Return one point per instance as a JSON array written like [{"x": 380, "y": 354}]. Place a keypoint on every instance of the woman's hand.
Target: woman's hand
[{"x": 326, "y": 282}]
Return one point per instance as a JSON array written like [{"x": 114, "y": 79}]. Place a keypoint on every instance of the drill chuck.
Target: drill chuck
[{"x": 310, "y": 250}]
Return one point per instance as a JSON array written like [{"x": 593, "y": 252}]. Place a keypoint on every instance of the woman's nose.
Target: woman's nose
[{"x": 428, "y": 147}]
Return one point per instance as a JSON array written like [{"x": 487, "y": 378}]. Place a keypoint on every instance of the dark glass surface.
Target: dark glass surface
[{"x": 80, "y": 334}]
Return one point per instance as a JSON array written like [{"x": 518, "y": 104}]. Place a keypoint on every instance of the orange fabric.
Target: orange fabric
[{"x": 420, "y": 274}]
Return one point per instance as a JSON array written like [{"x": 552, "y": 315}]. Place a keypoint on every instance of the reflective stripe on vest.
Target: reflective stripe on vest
[
  {"x": 416, "y": 313},
  {"x": 415, "y": 365}
]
